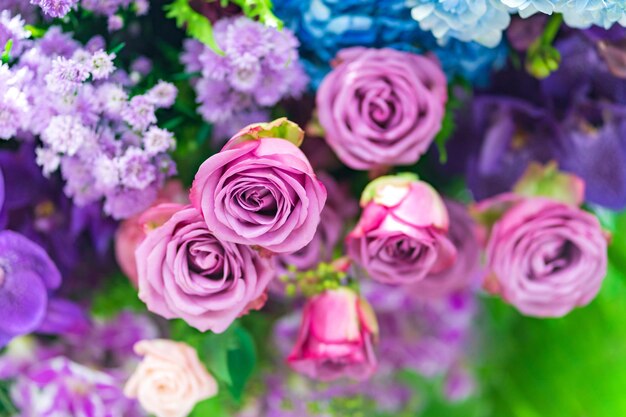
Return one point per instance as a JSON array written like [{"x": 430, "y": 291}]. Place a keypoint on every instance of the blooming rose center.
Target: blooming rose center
[
  {"x": 404, "y": 249},
  {"x": 552, "y": 258},
  {"x": 207, "y": 259},
  {"x": 259, "y": 200},
  {"x": 379, "y": 102}
]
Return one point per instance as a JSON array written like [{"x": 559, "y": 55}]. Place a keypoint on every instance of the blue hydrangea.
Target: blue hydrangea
[
  {"x": 482, "y": 21},
  {"x": 326, "y": 26},
  {"x": 576, "y": 13}
]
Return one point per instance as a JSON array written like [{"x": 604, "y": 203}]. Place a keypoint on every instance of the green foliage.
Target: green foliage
[
  {"x": 6, "y": 54},
  {"x": 116, "y": 295},
  {"x": 241, "y": 361},
  {"x": 197, "y": 25},
  {"x": 572, "y": 366},
  {"x": 448, "y": 124},
  {"x": 261, "y": 10},
  {"x": 6, "y": 406}
]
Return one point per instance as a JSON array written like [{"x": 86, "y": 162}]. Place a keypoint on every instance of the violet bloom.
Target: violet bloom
[
  {"x": 545, "y": 257},
  {"x": 401, "y": 235},
  {"x": 381, "y": 106},
  {"x": 336, "y": 337},
  {"x": 27, "y": 275},
  {"x": 507, "y": 134},
  {"x": 430, "y": 335},
  {"x": 61, "y": 387},
  {"x": 261, "y": 190},
  {"x": 185, "y": 271}
]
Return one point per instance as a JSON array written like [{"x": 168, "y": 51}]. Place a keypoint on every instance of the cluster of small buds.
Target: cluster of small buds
[
  {"x": 105, "y": 143},
  {"x": 256, "y": 68},
  {"x": 327, "y": 276}
]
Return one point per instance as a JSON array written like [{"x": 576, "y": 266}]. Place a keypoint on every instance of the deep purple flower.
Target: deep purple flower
[
  {"x": 27, "y": 275},
  {"x": 62, "y": 387}
]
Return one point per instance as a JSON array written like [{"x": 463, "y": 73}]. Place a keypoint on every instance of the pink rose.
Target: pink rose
[
  {"x": 336, "y": 337},
  {"x": 132, "y": 231},
  {"x": 466, "y": 271},
  {"x": 261, "y": 190},
  {"x": 186, "y": 272},
  {"x": 401, "y": 236},
  {"x": 545, "y": 257},
  {"x": 381, "y": 106},
  {"x": 170, "y": 380}
]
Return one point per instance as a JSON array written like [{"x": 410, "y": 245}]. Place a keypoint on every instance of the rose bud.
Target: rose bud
[
  {"x": 336, "y": 337},
  {"x": 545, "y": 257},
  {"x": 132, "y": 231},
  {"x": 261, "y": 190},
  {"x": 401, "y": 236},
  {"x": 381, "y": 107},
  {"x": 466, "y": 271},
  {"x": 170, "y": 380},
  {"x": 186, "y": 272}
]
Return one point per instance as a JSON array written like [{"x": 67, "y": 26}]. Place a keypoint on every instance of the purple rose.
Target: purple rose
[
  {"x": 261, "y": 190},
  {"x": 381, "y": 106},
  {"x": 466, "y": 271},
  {"x": 186, "y": 272},
  {"x": 27, "y": 275},
  {"x": 545, "y": 257},
  {"x": 401, "y": 235}
]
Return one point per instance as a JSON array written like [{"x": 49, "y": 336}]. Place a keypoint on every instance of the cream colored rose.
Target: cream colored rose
[{"x": 170, "y": 380}]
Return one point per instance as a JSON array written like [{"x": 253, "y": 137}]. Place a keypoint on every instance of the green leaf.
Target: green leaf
[
  {"x": 6, "y": 55},
  {"x": 260, "y": 9},
  {"x": 198, "y": 26},
  {"x": 241, "y": 362},
  {"x": 212, "y": 407}
]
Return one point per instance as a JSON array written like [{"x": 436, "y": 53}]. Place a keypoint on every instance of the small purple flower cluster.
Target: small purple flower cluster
[
  {"x": 59, "y": 8},
  {"x": 106, "y": 144},
  {"x": 258, "y": 68}
]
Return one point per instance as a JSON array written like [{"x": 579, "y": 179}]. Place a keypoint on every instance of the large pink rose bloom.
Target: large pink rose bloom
[
  {"x": 186, "y": 272},
  {"x": 466, "y": 271},
  {"x": 546, "y": 257},
  {"x": 401, "y": 236},
  {"x": 381, "y": 106},
  {"x": 260, "y": 191},
  {"x": 336, "y": 337}
]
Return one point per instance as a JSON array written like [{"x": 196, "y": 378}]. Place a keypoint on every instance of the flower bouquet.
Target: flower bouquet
[{"x": 312, "y": 208}]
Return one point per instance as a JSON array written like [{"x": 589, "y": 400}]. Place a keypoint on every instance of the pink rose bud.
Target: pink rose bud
[
  {"x": 170, "y": 380},
  {"x": 401, "y": 236},
  {"x": 548, "y": 181},
  {"x": 466, "y": 271},
  {"x": 336, "y": 337},
  {"x": 546, "y": 257},
  {"x": 186, "y": 272},
  {"x": 381, "y": 106},
  {"x": 261, "y": 190},
  {"x": 132, "y": 231}
]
